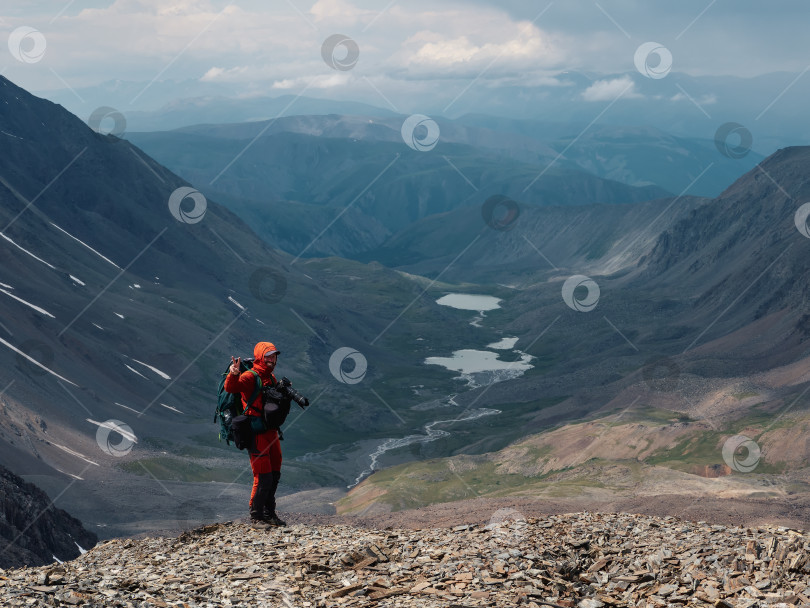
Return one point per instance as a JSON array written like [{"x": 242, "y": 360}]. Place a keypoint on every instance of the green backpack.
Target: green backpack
[{"x": 229, "y": 405}]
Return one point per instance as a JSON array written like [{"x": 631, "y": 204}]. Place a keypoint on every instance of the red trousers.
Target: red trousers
[{"x": 266, "y": 458}]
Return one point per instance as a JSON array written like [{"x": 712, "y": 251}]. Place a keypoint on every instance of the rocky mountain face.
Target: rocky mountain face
[
  {"x": 539, "y": 243},
  {"x": 745, "y": 251},
  {"x": 587, "y": 560},
  {"x": 32, "y": 530}
]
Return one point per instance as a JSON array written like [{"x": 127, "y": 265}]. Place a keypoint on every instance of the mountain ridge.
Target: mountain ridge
[{"x": 32, "y": 531}]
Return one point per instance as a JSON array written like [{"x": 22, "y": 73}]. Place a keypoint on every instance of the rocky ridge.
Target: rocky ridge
[
  {"x": 32, "y": 530},
  {"x": 587, "y": 560}
]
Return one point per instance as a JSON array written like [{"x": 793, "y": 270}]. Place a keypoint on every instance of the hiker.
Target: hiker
[{"x": 265, "y": 453}]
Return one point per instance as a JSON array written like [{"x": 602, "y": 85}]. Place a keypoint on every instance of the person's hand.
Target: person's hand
[{"x": 234, "y": 371}]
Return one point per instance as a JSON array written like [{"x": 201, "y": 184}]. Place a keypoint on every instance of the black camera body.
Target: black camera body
[
  {"x": 276, "y": 401},
  {"x": 286, "y": 391}
]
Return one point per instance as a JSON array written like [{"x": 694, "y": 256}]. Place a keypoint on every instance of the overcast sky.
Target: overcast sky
[{"x": 405, "y": 49}]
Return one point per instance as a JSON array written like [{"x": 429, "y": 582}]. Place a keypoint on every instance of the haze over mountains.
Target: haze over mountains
[
  {"x": 294, "y": 177},
  {"x": 681, "y": 105},
  {"x": 122, "y": 301}
]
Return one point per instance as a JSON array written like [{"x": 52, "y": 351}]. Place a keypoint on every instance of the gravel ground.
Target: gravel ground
[{"x": 792, "y": 512}]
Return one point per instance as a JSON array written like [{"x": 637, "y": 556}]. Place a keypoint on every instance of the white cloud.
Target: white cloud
[
  {"x": 459, "y": 51},
  {"x": 408, "y": 51},
  {"x": 323, "y": 82},
  {"x": 608, "y": 90},
  {"x": 706, "y": 100},
  {"x": 216, "y": 74},
  {"x": 487, "y": 44}
]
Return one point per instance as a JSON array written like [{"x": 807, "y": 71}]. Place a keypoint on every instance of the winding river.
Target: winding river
[{"x": 431, "y": 434}]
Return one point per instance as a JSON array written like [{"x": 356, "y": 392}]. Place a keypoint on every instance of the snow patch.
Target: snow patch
[
  {"x": 110, "y": 424},
  {"x": 76, "y": 280},
  {"x": 163, "y": 375},
  {"x": 235, "y": 302},
  {"x": 38, "y": 259},
  {"x": 135, "y": 371},
  {"x": 119, "y": 315},
  {"x": 76, "y": 477},
  {"x": 126, "y": 407},
  {"x": 99, "y": 326},
  {"x": 35, "y": 307},
  {"x": 35, "y": 362},
  {"x": 169, "y": 407},
  {"x": 74, "y": 453},
  {"x": 106, "y": 259}
]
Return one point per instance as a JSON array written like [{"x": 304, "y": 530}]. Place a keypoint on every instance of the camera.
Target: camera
[{"x": 288, "y": 392}]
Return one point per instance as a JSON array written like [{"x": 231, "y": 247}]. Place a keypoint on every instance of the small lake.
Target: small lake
[
  {"x": 468, "y": 301},
  {"x": 483, "y": 367},
  {"x": 504, "y": 344}
]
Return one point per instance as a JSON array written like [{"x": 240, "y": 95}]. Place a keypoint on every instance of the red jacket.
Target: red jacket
[{"x": 245, "y": 383}]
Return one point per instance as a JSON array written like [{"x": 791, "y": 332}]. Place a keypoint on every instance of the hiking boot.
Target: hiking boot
[
  {"x": 260, "y": 523},
  {"x": 274, "y": 520}
]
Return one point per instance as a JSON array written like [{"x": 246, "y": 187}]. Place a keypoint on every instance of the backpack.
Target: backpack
[{"x": 230, "y": 408}]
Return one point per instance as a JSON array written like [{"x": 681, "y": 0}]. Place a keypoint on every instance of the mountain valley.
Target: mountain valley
[{"x": 124, "y": 296}]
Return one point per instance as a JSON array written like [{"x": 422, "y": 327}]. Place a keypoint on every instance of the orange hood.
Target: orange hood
[{"x": 259, "y": 351}]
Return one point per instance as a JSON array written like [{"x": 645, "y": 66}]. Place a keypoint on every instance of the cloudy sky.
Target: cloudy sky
[{"x": 392, "y": 52}]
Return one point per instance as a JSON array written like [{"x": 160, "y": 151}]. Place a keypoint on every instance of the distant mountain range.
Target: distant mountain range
[
  {"x": 295, "y": 177},
  {"x": 309, "y": 172},
  {"x": 770, "y": 106},
  {"x": 637, "y": 156}
]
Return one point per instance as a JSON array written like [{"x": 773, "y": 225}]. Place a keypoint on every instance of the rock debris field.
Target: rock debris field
[{"x": 587, "y": 560}]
